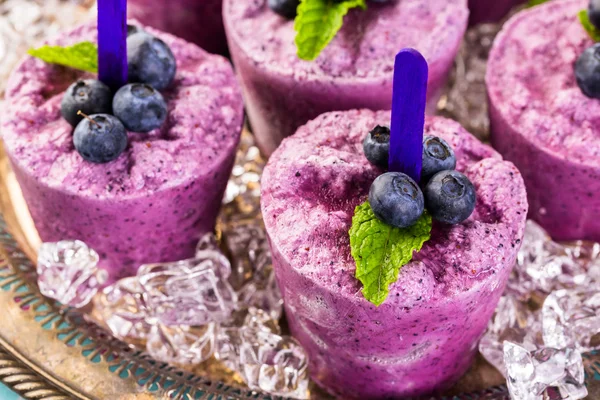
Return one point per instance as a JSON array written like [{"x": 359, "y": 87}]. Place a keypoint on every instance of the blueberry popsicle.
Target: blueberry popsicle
[
  {"x": 283, "y": 92},
  {"x": 141, "y": 176},
  {"x": 546, "y": 119},
  {"x": 423, "y": 337}
]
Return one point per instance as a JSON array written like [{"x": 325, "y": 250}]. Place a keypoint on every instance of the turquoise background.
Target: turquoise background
[{"x": 6, "y": 394}]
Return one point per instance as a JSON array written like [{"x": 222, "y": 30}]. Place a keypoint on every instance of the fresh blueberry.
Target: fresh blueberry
[
  {"x": 587, "y": 71},
  {"x": 100, "y": 138},
  {"x": 450, "y": 197},
  {"x": 594, "y": 13},
  {"x": 437, "y": 156},
  {"x": 285, "y": 8},
  {"x": 140, "y": 107},
  {"x": 150, "y": 61},
  {"x": 396, "y": 199},
  {"x": 132, "y": 29},
  {"x": 376, "y": 146},
  {"x": 90, "y": 96}
]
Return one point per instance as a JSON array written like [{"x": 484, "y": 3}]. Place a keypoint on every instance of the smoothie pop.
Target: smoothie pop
[
  {"x": 136, "y": 170},
  {"x": 417, "y": 331},
  {"x": 284, "y": 91}
]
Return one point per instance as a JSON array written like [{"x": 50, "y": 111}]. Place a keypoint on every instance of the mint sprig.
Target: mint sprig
[
  {"x": 317, "y": 23},
  {"x": 82, "y": 56},
  {"x": 380, "y": 250},
  {"x": 588, "y": 26}
]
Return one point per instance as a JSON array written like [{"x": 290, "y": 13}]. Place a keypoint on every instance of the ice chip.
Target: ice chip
[
  {"x": 513, "y": 322},
  {"x": 265, "y": 360},
  {"x": 191, "y": 292},
  {"x": 68, "y": 272},
  {"x": 263, "y": 293},
  {"x": 275, "y": 364},
  {"x": 543, "y": 265},
  {"x": 571, "y": 318},
  {"x": 531, "y": 373},
  {"x": 182, "y": 344},
  {"x": 250, "y": 253},
  {"x": 123, "y": 309}
]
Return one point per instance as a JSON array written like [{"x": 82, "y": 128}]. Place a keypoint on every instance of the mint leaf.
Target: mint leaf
[
  {"x": 533, "y": 3},
  {"x": 317, "y": 23},
  {"x": 83, "y": 56},
  {"x": 588, "y": 26},
  {"x": 380, "y": 250}
]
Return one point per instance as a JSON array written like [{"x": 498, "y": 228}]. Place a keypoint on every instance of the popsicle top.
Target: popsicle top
[
  {"x": 545, "y": 104},
  {"x": 317, "y": 177},
  {"x": 363, "y": 48},
  {"x": 205, "y": 115}
]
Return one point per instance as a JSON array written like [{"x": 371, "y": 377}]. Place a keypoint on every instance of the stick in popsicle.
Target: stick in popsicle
[
  {"x": 112, "y": 42},
  {"x": 408, "y": 113}
]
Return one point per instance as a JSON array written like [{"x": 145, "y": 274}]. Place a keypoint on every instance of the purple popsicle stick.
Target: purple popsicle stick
[
  {"x": 112, "y": 42},
  {"x": 408, "y": 113}
]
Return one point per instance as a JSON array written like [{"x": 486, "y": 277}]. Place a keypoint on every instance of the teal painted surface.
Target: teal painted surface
[{"x": 7, "y": 394}]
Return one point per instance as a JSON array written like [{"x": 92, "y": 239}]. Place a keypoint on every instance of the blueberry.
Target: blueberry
[
  {"x": 594, "y": 13},
  {"x": 140, "y": 107},
  {"x": 132, "y": 29},
  {"x": 285, "y": 8},
  {"x": 396, "y": 199},
  {"x": 150, "y": 61},
  {"x": 450, "y": 197},
  {"x": 587, "y": 71},
  {"x": 100, "y": 138},
  {"x": 376, "y": 146},
  {"x": 437, "y": 156},
  {"x": 90, "y": 96}
]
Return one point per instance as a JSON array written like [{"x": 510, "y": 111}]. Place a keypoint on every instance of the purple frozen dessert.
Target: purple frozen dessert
[
  {"x": 197, "y": 21},
  {"x": 283, "y": 92},
  {"x": 490, "y": 11},
  {"x": 541, "y": 120},
  {"x": 163, "y": 192},
  {"x": 423, "y": 337}
]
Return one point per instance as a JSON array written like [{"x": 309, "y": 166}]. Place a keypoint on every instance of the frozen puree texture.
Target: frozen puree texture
[
  {"x": 155, "y": 201},
  {"x": 355, "y": 71},
  {"x": 423, "y": 337},
  {"x": 541, "y": 120}
]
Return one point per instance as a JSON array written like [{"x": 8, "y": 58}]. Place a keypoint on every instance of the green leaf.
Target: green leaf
[
  {"x": 533, "y": 3},
  {"x": 317, "y": 23},
  {"x": 380, "y": 250},
  {"x": 83, "y": 56},
  {"x": 588, "y": 26}
]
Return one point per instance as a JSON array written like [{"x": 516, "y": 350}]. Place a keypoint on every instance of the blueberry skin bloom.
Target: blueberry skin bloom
[
  {"x": 150, "y": 60},
  {"x": 587, "y": 71},
  {"x": 437, "y": 156},
  {"x": 140, "y": 107},
  {"x": 376, "y": 146},
  {"x": 396, "y": 199},
  {"x": 450, "y": 197},
  {"x": 100, "y": 138},
  {"x": 90, "y": 96}
]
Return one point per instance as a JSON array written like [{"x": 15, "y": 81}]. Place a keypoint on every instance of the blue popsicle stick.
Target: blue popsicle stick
[
  {"x": 112, "y": 42},
  {"x": 408, "y": 113}
]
